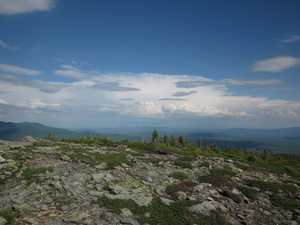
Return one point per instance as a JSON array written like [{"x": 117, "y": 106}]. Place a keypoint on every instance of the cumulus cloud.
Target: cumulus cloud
[
  {"x": 145, "y": 95},
  {"x": 4, "y": 45},
  {"x": 70, "y": 74},
  {"x": 277, "y": 64},
  {"x": 10, "y": 7},
  {"x": 19, "y": 70}
]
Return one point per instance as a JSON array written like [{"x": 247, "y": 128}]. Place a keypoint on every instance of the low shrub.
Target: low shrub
[
  {"x": 248, "y": 192},
  {"x": 182, "y": 186},
  {"x": 9, "y": 215},
  {"x": 179, "y": 176},
  {"x": 219, "y": 178}
]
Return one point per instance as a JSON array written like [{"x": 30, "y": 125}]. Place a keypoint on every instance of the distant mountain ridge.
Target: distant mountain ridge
[{"x": 285, "y": 140}]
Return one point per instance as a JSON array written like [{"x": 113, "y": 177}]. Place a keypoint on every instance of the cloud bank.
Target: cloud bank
[
  {"x": 11, "y": 7},
  {"x": 114, "y": 97}
]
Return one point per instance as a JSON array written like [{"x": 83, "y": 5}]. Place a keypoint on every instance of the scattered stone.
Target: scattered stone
[
  {"x": 43, "y": 213},
  {"x": 129, "y": 221},
  {"x": 2, "y": 160},
  {"x": 98, "y": 177},
  {"x": 240, "y": 217},
  {"x": 65, "y": 158},
  {"x": 166, "y": 201},
  {"x": 71, "y": 192},
  {"x": 147, "y": 215},
  {"x": 3, "y": 221},
  {"x": 126, "y": 212},
  {"x": 108, "y": 177},
  {"x": 235, "y": 197},
  {"x": 180, "y": 195},
  {"x": 29, "y": 220},
  {"x": 203, "y": 208},
  {"x": 142, "y": 199},
  {"x": 101, "y": 166}
]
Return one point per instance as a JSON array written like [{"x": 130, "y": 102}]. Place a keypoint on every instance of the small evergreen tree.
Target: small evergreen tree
[
  {"x": 200, "y": 144},
  {"x": 166, "y": 139},
  {"x": 154, "y": 136}
]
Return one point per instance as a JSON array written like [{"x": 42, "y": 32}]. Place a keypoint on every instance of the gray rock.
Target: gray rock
[
  {"x": 147, "y": 215},
  {"x": 160, "y": 190},
  {"x": 235, "y": 197},
  {"x": 97, "y": 193},
  {"x": 142, "y": 199},
  {"x": 101, "y": 166},
  {"x": 23, "y": 207},
  {"x": 3, "y": 221},
  {"x": 203, "y": 208},
  {"x": 126, "y": 212},
  {"x": 109, "y": 177},
  {"x": 129, "y": 221},
  {"x": 98, "y": 177},
  {"x": 65, "y": 158},
  {"x": 29, "y": 220},
  {"x": 240, "y": 216},
  {"x": 180, "y": 195},
  {"x": 2, "y": 160},
  {"x": 99, "y": 187},
  {"x": 53, "y": 222},
  {"x": 166, "y": 201}
]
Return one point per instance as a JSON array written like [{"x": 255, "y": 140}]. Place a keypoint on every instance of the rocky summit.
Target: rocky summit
[{"x": 59, "y": 182}]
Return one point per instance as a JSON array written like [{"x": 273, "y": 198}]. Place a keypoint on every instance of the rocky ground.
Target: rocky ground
[{"x": 53, "y": 183}]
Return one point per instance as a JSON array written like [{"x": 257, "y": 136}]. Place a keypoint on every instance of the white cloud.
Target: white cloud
[
  {"x": 4, "y": 45},
  {"x": 69, "y": 67},
  {"x": 10, "y": 7},
  {"x": 3, "y": 101},
  {"x": 277, "y": 64},
  {"x": 19, "y": 70},
  {"x": 291, "y": 39},
  {"x": 70, "y": 74},
  {"x": 38, "y": 104},
  {"x": 81, "y": 101}
]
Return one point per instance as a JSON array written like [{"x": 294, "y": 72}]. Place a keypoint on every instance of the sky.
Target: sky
[{"x": 160, "y": 63}]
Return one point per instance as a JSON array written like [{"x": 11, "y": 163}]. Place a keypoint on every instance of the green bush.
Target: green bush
[
  {"x": 179, "y": 176},
  {"x": 248, "y": 192},
  {"x": 9, "y": 215}
]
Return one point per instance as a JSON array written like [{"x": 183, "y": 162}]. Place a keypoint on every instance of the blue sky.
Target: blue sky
[{"x": 175, "y": 63}]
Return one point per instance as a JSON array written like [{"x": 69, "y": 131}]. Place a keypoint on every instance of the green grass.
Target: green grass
[
  {"x": 83, "y": 154},
  {"x": 183, "y": 162},
  {"x": 9, "y": 215},
  {"x": 273, "y": 187},
  {"x": 30, "y": 174},
  {"x": 177, "y": 213},
  {"x": 285, "y": 203}
]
